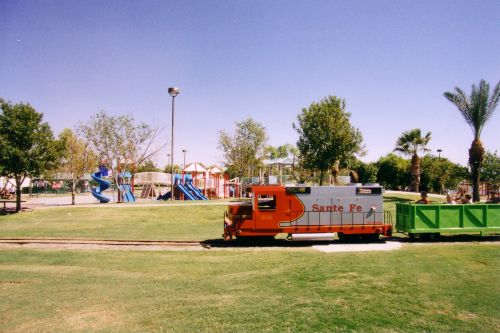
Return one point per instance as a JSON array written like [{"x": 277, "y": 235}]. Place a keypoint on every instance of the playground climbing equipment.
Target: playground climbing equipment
[
  {"x": 125, "y": 187},
  {"x": 103, "y": 184}
]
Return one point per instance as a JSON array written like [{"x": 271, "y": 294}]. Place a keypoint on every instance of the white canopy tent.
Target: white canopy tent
[
  {"x": 160, "y": 178},
  {"x": 194, "y": 167}
]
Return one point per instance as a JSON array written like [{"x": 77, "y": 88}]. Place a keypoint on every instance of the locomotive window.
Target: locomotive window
[
  {"x": 368, "y": 190},
  {"x": 298, "y": 190},
  {"x": 266, "y": 202}
]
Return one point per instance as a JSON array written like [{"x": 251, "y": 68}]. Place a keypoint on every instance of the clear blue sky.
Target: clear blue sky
[{"x": 390, "y": 60}]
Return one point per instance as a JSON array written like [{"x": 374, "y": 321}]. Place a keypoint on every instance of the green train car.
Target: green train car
[{"x": 427, "y": 221}]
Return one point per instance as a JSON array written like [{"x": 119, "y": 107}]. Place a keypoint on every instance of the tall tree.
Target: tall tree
[
  {"x": 245, "y": 149},
  {"x": 439, "y": 174},
  {"x": 271, "y": 153},
  {"x": 78, "y": 159},
  {"x": 148, "y": 166},
  {"x": 283, "y": 150},
  {"x": 326, "y": 135},
  {"x": 410, "y": 143},
  {"x": 294, "y": 151},
  {"x": 476, "y": 110},
  {"x": 393, "y": 171},
  {"x": 367, "y": 172},
  {"x": 27, "y": 144},
  {"x": 119, "y": 141},
  {"x": 490, "y": 172},
  {"x": 168, "y": 169}
]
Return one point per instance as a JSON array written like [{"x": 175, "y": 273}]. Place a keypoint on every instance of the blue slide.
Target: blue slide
[
  {"x": 103, "y": 185},
  {"x": 128, "y": 196},
  {"x": 197, "y": 193},
  {"x": 185, "y": 191}
]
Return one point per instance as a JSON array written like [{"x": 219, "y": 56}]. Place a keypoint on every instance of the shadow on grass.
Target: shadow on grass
[
  {"x": 9, "y": 211},
  {"x": 248, "y": 243}
]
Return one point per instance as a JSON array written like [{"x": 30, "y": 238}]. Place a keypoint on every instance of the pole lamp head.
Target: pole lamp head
[{"x": 173, "y": 91}]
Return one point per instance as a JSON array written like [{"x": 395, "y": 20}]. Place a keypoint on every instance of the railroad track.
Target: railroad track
[
  {"x": 100, "y": 243},
  {"x": 96, "y": 244},
  {"x": 78, "y": 243}
]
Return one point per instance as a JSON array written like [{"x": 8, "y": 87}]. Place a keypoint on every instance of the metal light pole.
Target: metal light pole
[
  {"x": 439, "y": 152},
  {"x": 173, "y": 91},
  {"x": 184, "y": 151}
]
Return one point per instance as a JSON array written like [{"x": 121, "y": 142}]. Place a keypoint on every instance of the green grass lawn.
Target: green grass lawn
[
  {"x": 132, "y": 222},
  {"x": 430, "y": 288}
]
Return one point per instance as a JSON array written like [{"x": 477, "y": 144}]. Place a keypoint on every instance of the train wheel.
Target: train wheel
[
  {"x": 349, "y": 238},
  {"x": 264, "y": 239},
  {"x": 437, "y": 236},
  {"x": 255, "y": 239},
  {"x": 412, "y": 236},
  {"x": 434, "y": 236},
  {"x": 425, "y": 237},
  {"x": 371, "y": 237}
]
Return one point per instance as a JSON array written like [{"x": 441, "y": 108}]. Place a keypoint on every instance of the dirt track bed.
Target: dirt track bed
[
  {"x": 84, "y": 244},
  {"x": 219, "y": 244}
]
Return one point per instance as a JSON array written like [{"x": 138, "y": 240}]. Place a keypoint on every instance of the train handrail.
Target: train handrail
[{"x": 379, "y": 218}]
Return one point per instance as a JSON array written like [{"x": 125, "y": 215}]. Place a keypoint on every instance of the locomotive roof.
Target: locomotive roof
[{"x": 321, "y": 191}]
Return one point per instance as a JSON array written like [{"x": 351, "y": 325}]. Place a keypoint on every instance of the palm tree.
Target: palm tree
[
  {"x": 476, "y": 109},
  {"x": 411, "y": 143}
]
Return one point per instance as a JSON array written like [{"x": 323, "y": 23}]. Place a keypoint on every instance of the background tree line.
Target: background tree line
[
  {"x": 328, "y": 145},
  {"x": 29, "y": 148}
]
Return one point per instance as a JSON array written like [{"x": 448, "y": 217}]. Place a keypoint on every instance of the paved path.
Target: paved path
[{"x": 87, "y": 200}]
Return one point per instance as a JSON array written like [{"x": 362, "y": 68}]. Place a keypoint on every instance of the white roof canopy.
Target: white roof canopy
[
  {"x": 152, "y": 178},
  {"x": 215, "y": 170},
  {"x": 194, "y": 167},
  {"x": 279, "y": 161}
]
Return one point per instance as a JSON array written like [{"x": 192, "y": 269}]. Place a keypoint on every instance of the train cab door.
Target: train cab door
[{"x": 266, "y": 211}]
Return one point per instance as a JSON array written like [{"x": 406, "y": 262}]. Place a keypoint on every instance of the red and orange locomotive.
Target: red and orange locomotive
[{"x": 350, "y": 211}]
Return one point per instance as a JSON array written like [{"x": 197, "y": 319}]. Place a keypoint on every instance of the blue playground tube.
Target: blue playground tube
[{"x": 103, "y": 185}]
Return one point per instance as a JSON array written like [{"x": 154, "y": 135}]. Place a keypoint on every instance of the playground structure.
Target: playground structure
[
  {"x": 103, "y": 184},
  {"x": 195, "y": 183},
  {"x": 184, "y": 183},
  {"x": 123, "y": 184},
  {"x": 151, "y": 183}
]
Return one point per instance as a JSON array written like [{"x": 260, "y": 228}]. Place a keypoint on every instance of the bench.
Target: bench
[{"x": 5, "y": 202}]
